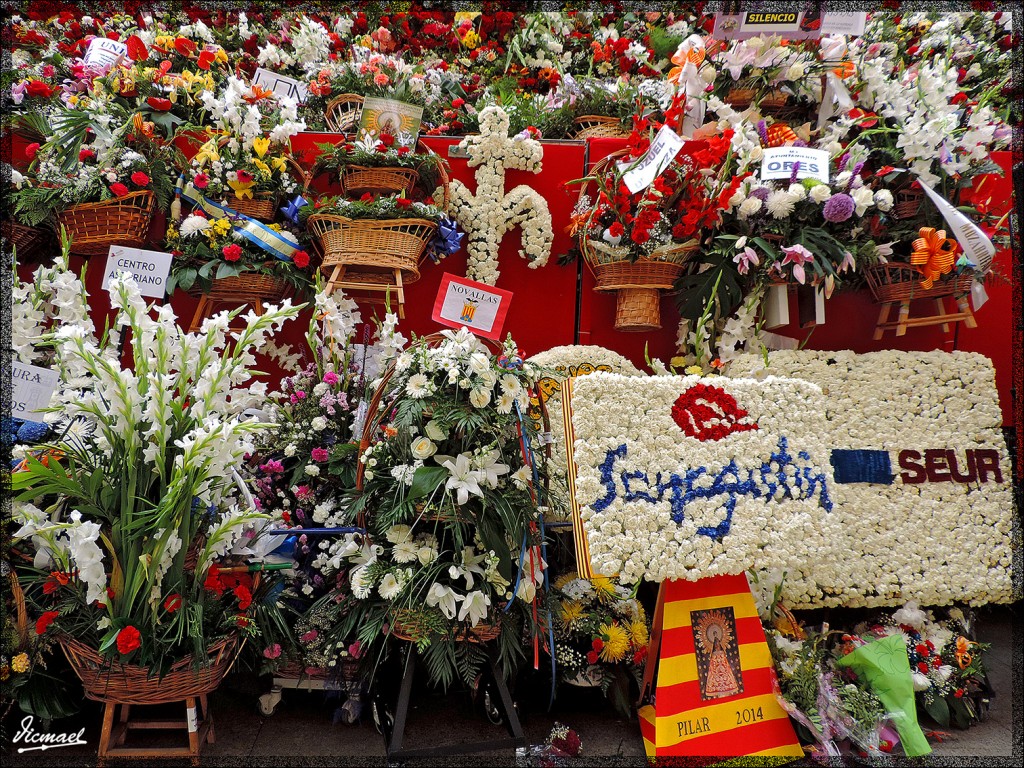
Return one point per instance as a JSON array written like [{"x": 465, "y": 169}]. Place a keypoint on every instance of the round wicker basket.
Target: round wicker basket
[
  {"x": 377, "y": 243},
  {"x": 902, "y": 282},
  {"x": 405, "y": 625},
  {"x": 111, "y": 682},
  {"x": 343, "y": 111},
  {"x": 25, "y": 241},
  {"x": 262, "y": 207},
  {"x": 599, "y": 127},
  {"x": 245, "y": 288},
  {"x": 94, "y": 227},
  {"x": 358, "y": 180},
  {"x": 739, "y": 98},
  {"x": 908, "y": 203}
]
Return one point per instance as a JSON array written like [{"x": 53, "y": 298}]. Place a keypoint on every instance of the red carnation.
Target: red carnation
[
  {"x": 140, "y": 179},
  {"x": 382, "y": 147},
  {"x": 592, "y": 657},
  {"x": 31, "y": 149},
  {"x": 128, "y": 639},
  {"x": 44, "y": 622},
  {"x": 922, "y": 667},
  {"x": 85, "y": 154},
  {"x": 172, "y": 603},
  {"x": 403, "y": 151},
  {"x": 458, "y": 103},
  {"x": 244, "y": 597},
  {"x": 366, "y": 198},
  {"x": 387, "y": 139},
  {"x": 598, "y": 644},
  {"x": 232, "y": 252},
  {"x": 301, "y": 259},
  {"x": 159, "y": 104},
  {"x": 616, "y": 229},
  {"x": 39, "y": 88},
  {"x": 403, "y": 202},
  {"x": 213, "y": 582},
  {"x": 119, "y": 189}
]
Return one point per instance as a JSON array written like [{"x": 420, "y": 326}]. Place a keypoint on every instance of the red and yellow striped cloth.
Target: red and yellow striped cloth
[{"x": 680, "y": 722}]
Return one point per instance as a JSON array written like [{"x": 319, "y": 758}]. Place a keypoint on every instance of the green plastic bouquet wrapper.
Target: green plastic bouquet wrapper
[{"x": 886, "y": 668}]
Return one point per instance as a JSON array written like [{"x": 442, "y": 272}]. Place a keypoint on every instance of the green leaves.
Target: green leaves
[
  {"x": 697, "y": 291},
  {"x": 425, "y": 481}
]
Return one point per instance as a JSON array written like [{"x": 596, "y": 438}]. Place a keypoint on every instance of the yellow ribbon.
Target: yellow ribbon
[{"x": 933, "y": 255}]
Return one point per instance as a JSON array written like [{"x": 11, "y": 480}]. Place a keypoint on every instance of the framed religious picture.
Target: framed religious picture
[{"x": 395, "y": 118}]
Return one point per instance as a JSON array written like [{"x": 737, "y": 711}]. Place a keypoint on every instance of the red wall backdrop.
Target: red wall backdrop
[{"x": 556, "y": 305}]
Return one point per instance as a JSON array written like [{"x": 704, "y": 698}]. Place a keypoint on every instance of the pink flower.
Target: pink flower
[
  {"x": 848, "y": 263},
  {"x": 319, "y": 454},
  {"x": 300, "y": 395},
  {"x": 797, "y": 255},
  {"x": 331, "y": 378},
  {"x": 354, "y": 650},
  {"x": 744, "y": 259},
  {"x": 309, "y": 637},
  {"x": 201, "y": 181},
  {"x": 272, "y": 651}
]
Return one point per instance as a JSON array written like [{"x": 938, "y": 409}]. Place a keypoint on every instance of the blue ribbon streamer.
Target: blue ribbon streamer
[
  {"x": 447, "y": 239},
  {"x": 291, "y": 210},
  {"x": 242, "y": 224}
]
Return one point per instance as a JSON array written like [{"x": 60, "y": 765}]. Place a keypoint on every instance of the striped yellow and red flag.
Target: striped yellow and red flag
[{"x": 716, "y": 686}]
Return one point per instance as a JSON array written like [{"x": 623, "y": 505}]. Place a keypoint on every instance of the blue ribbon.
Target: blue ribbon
[
  {"x": 291, "y": 210},
  {"x": 447, "y": 239},
  {"x": 256, "y": 232}
]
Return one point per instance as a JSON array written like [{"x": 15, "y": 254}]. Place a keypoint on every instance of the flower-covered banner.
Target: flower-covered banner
[
  {"x": 683, "y": 477},
  {"x": 923, "y": 507}
]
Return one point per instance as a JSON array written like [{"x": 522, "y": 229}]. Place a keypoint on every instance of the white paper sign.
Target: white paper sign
[
  {"x": 33, "y": 388},
  {"x": 103, "y": 52},
  {"x": 778, "y": 163},
  {"x": 843, "y": 23},
  {"x": 149, "y": 268},
  {"x": 280, "y": 84},
  {"x": 643, "y": 172}
]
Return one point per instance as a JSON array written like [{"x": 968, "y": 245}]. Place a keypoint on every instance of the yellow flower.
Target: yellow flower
[
  {"x": 221, "y": 56},
  {"x": 221, "y": 226},
  {"x": 207, "y": 152},
  {"x": 261, "y": 165},
  {"x": 279, "y": 163},
  {"x": 242, "y": 189},
  {"x": 564, "y": 579},
  {"x": 570, "y": 613},
  {"x": 693, "y": 370},
  {"x": 471, "y": 39},
  {"x": 466, "y": 16},
  {"x": 260, "y": 145},
  {"x": 275, "y": 227},
  {"x": 5, "y": 672},
  {"x": 616, "y": 643},
  {"x": 20, "y": 663},
  {"x": 164, "y": 41},
  {"x": 638, "y": 633},
  {"x": 365, "y": 41},
  {"x": 604, "y": 588}
]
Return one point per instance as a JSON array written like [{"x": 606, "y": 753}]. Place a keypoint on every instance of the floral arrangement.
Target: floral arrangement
[
  {"x": 370, "y": 206},
  {"x": 937, "y": 401},
  {"x": 452, "y": 549},
  {"x": 132, "y": 569},
  {"x": 207, "y": 249},
  {"x": 487, "y": 215},
  {"x": 98, "y": 176},
  {"x": 710, "y": 487},
  {"x": 563, "y": 744},
  {"x": 601, "y": 637},
  {"x": 383, "y": 152}
]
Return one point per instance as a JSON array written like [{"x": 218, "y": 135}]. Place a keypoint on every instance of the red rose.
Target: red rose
[
  {"x": 458, "y": 103},
  {"x": 403, "y": 202},
  {"x": 232, "y": 252},
  {"x": 172, "y": 603},
  {"x": 31, "y": 149},
  {"x": 244, "y": 597},
  {"x": 598, "y": 644},
  {"x": 366, "y": 198},
  {"x": 140, "y": 179},
  {"x": 158, "y": 104},
  {"x": 959, "y": 693},
  {"x": 44, "y": 622},
  {"x": 382, "y": 147},
  {"x": 128, "y": 639},
  {"x": 85, "y": 154},
  {"x": 301, "y": 259},
  {"x": 402, "y": 151},
  {"x": 201, "y": 181},
  {"x": 592, "y": 657},
  {"x": 119, "y": 189},
  {"x": 38, "y": 88}
]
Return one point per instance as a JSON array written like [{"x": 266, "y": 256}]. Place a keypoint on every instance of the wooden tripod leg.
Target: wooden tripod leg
[
  {"x": 258, "y": 306},
  {"x": 400, "y": 290},
  {"x": 108, "y": 726},
  {"x": 940, "y": 310},
  {"x": 336, "y": 275},
  {"x": 901, "y": 323},
  {"x": 883, "y": 317},
  {"x": 192, "y": 723},
  {"x": 125, "y": 712},
  {"x": 963, "y": 305}
]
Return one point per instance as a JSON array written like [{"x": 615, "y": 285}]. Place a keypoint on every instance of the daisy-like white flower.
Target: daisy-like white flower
[
  {"x": 418, "y": 385},
  {"x": 780, "y": 204}
]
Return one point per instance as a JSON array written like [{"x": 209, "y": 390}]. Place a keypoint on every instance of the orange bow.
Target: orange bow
[
  {"x": 779, "y": 135},
  {"x": 933, "y": 254},
  {"x": 680, "y": 58}
]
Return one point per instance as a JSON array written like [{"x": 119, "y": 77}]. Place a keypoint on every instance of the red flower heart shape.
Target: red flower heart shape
[{"x": 709, "y": 413}]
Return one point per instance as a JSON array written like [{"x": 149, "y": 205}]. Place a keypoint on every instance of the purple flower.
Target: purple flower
[
  {"x": 842, "y": 162},
  {"x": 838, "y": 208},
  {"x": 327, "y": 400},
  {"x": 795, "y": 174},
  {"x": 797, "y": 255},
  {"x": 319, "y": 454},
  {"x": 331, "y": 378},
  {"x": 761, "y": 193},
  {"x": 762, "y": 131}
]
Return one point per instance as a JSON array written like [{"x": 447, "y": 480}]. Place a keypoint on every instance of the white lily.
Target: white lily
[
  {"x": 490, "y": 469},
  {"x": 445, "y": 598},
  {"x": 464, "y": 479},
  {"x": 474, "y": 607}
]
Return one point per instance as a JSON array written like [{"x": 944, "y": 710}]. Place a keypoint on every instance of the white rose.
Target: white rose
[
  {"x": 423, "y": 448},
  {"x": 820, "y": 193},
  {"x": 795, "y": 72},
  {"x": 480, "y": 398},
  {"x": 434, "y": 430}
]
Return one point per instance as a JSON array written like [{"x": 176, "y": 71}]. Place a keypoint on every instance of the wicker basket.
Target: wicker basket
[
  {"x": 343, "y": 111},
  {"x": 739, "y": 98},
  {"x": 377, "y": 243},
  {"x": 598, "y": 127},
  {"x": 26, "y": 241},
  {"x": 260, "y": 207},
  {"x": 94, "y": 227},
  {"x": 902, "y": 282},
  {"x": 357, "y": 180},
  {"x": 908, "y": 203},
  {"x": 245, "y": 288},
  {"x": 405, "y": 625},
  {"x": 112, "y": 682}
]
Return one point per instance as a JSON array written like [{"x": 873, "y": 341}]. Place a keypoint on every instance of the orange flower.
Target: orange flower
[
  {"x": 844, "y": 70},
  {"x": 933, "y": 255},
  {"x": 963, "y": 658}
]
